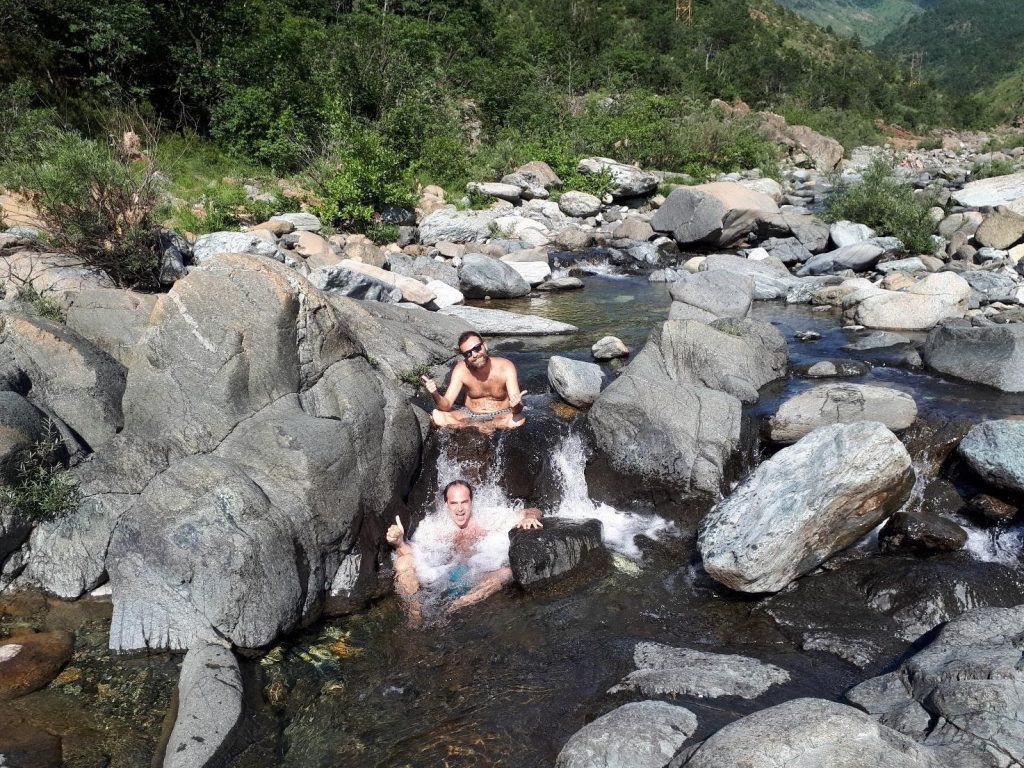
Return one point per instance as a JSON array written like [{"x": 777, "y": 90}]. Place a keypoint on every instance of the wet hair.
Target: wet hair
[
  {"x": 454, "y": 483},
  {"x": 468, "y": 335}
]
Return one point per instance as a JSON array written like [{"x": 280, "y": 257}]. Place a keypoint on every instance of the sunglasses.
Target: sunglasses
[{"x": 473, "y": 350}]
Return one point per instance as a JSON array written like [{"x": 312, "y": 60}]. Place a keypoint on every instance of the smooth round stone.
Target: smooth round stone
[
  {"x": 561, "y": 284},
  {"x": 609, "y": 348}
]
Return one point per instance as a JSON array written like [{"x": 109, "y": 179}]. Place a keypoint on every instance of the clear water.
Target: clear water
[{"x": 506, "y": 683}]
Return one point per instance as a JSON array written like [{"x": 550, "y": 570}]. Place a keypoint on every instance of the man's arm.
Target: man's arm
[
  {"x": 515, "y": 397},
  {"x": 490, "y": 583},
  {"x": 447, "y": 401}
]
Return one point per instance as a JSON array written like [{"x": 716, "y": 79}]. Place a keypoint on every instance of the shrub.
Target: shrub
[
  {"x": 39, "y": 485},
  {"x": 96, "y": 200},
  {"x": 999, "y": 166},
  {"x": 44, "y": 305},
  {"x": 382, "y": 234},
  {"x": 356, "y": 175},
  {"x": 1004, "y": 142},
  {"x": 885, "y": 204},
  {"x": 931, "y": 142}
]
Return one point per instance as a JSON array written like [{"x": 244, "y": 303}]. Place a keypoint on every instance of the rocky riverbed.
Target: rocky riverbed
[{"x": 813, "y": 434}]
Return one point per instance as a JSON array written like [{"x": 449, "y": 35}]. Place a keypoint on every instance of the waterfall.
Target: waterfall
[{"x": 497, "y": 512}]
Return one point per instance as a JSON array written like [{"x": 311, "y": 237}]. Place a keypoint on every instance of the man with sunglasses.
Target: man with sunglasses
[{"x": 493, "y": 399}]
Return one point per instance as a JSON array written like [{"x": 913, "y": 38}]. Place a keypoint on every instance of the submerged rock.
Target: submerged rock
[
  {"x": 537, "y": 557},
  {"x": 805, "y": 503},
  {"x": 664, "y": 670},
  {"x": 833, "y": 368},
  {"x": 29, "y": 662},
  {"x": 841, "y": 404},
  {"x": 921, "y": 534},
  {"x": 641, "y": 734}
]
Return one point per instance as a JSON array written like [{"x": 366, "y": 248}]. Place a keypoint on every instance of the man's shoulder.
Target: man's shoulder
[{"x": 502, "y": 363}]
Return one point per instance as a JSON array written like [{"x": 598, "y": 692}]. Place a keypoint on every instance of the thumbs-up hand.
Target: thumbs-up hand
[{"x": 395, "y": 533}]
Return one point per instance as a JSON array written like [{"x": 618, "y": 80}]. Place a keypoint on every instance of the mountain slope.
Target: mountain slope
[
  {"x": 965, "y": 44},
  {"x": 868, "y": 20}
]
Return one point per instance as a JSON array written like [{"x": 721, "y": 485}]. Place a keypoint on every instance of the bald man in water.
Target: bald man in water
[
  {"x": 493, "y": 398},
  {"x": 458, "y": 498}
]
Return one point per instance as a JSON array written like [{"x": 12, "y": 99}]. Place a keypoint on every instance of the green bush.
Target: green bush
[
  {"x": 931, "y": 142},
  {"x": 382, "y": 234},
  {"x": 95, "y": 201},
  {"x": 44, "y": 305},
  {"x": 1004, "y": 142},
  {"x": 357, "y": 175},
  {"x": 849, "y": 128},
  {"x": 885, "y": 204},
  {"x": 999, "y": 166},
  {"x": 39, "y": 485}
]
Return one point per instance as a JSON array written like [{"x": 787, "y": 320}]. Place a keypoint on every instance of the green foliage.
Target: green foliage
[
  {"x": 850, "y": 128},
  {"x": 382, "y": 234},
  {"x": 868, "y": 20},
  {"x": 44, "y": 305},
  {"x": 38, "y": 485},
  {"x": 885, "y": 204},
  {"x": 998, "y": 166},
  {"x": 95, "y": 201},
  {"x": 931, "y": 142},
  {"x": 412, "y": 376},
  {"x": 358, "y": 174},
  {"x": 1004, "y": 142}
]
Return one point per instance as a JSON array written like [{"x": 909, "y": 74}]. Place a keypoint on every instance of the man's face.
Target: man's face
[
  {"x": 474, "y": 352},
  {"x": 460, "y": 505}
]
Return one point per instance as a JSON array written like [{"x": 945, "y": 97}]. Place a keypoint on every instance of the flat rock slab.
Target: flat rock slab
[
  {"x": 841, "y": 404},
  {"x": 995, "y": 450},
  {"x": 498, "y": 322},
  {"x": 992, "y": 355},
  {"x": 29, "y": 662},
  {"x": 876, "y": 340},
  {"x": 999, "y": 190},
  {"x": 537, "y": 557},
  {"x": 642, "y": 734},
  {"x": 664, "y": 670},
  {"x": 833, "y": 369}
]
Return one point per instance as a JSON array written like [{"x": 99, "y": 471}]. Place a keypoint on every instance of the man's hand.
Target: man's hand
[
  {"x": 429, "y": 384},
  {"x": 516, "y": 400},
  {"x": 396, "y": 533},
  {"x": 530, "y": 519}
]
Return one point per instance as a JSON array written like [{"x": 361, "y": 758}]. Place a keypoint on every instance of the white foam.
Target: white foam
[
  {"x": 994, "y": 545},
  {"x": 619, "y": 528}
]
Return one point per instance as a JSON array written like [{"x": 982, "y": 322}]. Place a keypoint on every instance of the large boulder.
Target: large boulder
[
  {"x": 1000, "y": 230},
  {"x": 717, "y": 213},
  {"x": 841, "y": 404},
  {"x": 579, "y": 205},
  {"x": 52, "y": 275},
  {"x": 627, "y": 180},
  {"x": 810, "y": 733},
  {"x": 655, "y": 420},
  {"x": 995, "y": 450},
  {"x": 662, "y": 670},
  {"x": 576, "y": 381},
  {"x": 534, "y": 180},
  {"x": 452, "y": 226},
  {"x": 961, "y": 694},
  {"x": 805, "y": 503},
  {"x": 708, "y": 296},
  {"x": 63, "y": 374},
  {"x": 22, "y": 425},
  {"x": 342, "y": 281},
  {"x": 919, "y": 307},
  {"x": 641, "y": 734},
  {"x": 1000, "y": 190},
  {"x": 481, "y": 276},
  {"x": 992, "y": 354},
  {"x": 771, "y": 278},
  {"x": 210, "y": 701}
]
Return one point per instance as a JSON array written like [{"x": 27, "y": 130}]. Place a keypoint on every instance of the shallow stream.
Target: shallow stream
[{"x": 506, "y": 683}]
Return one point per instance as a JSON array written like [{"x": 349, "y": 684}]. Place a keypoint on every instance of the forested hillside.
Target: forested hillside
[
  {"x": 868, "y": 20},
  {"x": 964, "y": 44}
]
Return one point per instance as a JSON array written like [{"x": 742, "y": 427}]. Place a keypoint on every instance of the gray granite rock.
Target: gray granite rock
[
  {"x": 641, "y": 734},
  {"x": 577, "y": 382},
  {"x": 481, "y": 276},
  {"x": 841, "y": 404},
  {"x": 992, "y": 355},
  {"x": 995, "y": 450},
  {"x": 538, "y": 557},
  {"x": 498, "y": 322}
]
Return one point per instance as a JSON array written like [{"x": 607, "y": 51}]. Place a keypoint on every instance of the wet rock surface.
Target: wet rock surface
[
  {"x": 30, "y": 661},
  {"x": 919, "y": 533},
  {"x": 663, "y": 670},
  {"x": 538, "y": 557},
  {"x": 841, "y": 404}
]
